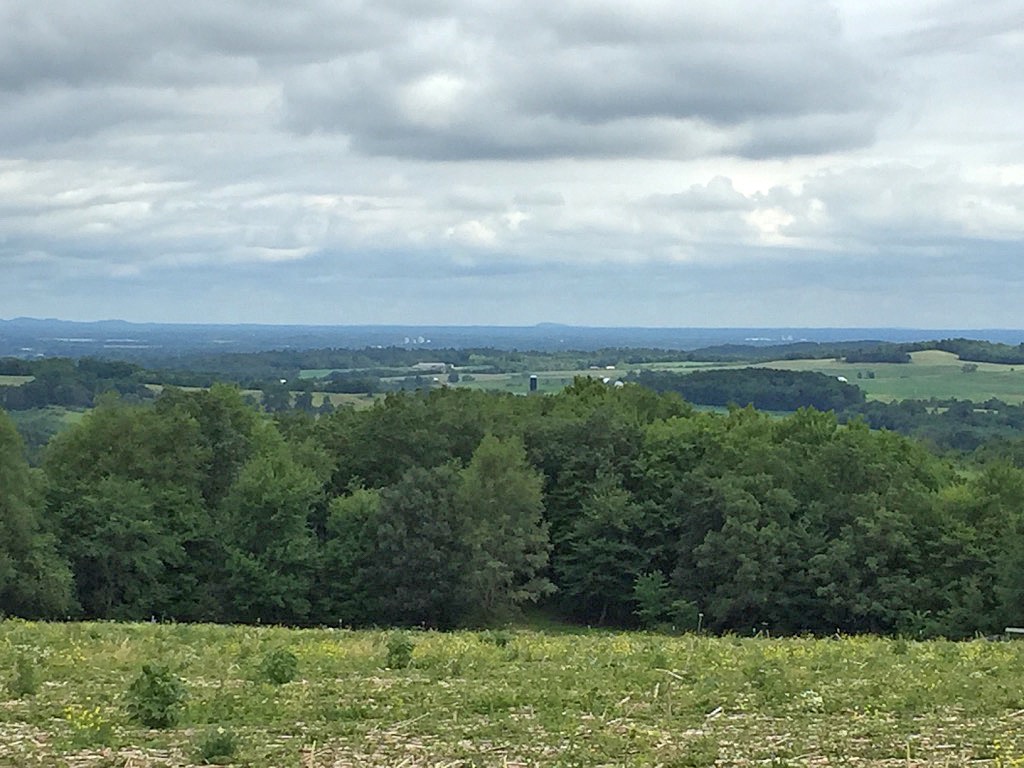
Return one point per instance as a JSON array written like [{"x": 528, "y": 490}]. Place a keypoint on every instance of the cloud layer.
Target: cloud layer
[{"x": 654, "y": 162}]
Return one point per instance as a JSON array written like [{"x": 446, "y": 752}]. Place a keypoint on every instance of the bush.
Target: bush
[
  {"x": 400, "y": 648},
  {"x": 216, "y": 747},
  {"x": 498, "y": 637},
  {"x": 155, "y": 697},
  {"x": 24, "y": 680},
  {"x": 279, "y": 666}
]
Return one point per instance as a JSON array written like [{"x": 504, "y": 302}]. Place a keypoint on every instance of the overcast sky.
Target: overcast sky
[{"x": 628, "y": 162}]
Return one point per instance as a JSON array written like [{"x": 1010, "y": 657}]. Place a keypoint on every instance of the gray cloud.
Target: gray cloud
[
  {"x": 351, "y": 161},
  {"x": 592, "y": 79}
]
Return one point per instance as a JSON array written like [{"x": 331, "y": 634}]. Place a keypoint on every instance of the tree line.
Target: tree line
[
  {"x": 944, "y": 424},
  {"x": 767, "y": 389},
  {"x": 614, "y": 506}
]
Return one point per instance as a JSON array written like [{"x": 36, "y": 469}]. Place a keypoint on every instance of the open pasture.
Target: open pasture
[
  {"x": 932, "y": 373},
  {"x": 519, "y": 383},
  {"x": 506, "y": 698}
]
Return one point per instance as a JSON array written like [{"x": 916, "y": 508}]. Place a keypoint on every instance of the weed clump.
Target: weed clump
[
  {"x": 217, "y": 746},
  {"x": 24, "y": 679},
  {"x": 497, "y": 637},
  {"x": 279, "y": 666},
  {"x": 88, "y": 727},
  {"x": 399, "y": 651},
  {"x": 155, "y": 697}
]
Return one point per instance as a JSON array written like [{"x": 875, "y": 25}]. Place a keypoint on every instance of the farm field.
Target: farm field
[
  {"x": 506, "y": 698},
  {"x": 519, "y": 383},
  {"x": 14, "y": 381},
  {"x": 931, "y": 373}
]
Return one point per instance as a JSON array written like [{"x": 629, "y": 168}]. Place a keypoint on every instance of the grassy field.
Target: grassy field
[
  {"x": 14, "y": 381},
  {"x": 931, "y": 373},
  {"x": 506, "y": 698},
  {"x": 519, "y": 383}
]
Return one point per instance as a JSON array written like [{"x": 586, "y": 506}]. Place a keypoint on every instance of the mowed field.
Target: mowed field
[
  {"x": 931, "y": 374},
  {"x": 508, "y": 698}
]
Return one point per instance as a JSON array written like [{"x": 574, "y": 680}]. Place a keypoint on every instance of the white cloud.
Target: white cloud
[{"x": 705, "y": 163}]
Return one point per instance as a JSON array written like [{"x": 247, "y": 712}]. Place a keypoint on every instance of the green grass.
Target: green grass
[
  {"x": 318, "y": 373},
  {"x": 931, "y": 373},
  {"x": 548, "y": 382},
  {"x": 515, "y": 698},
  {"x": 14, "y": 381}
]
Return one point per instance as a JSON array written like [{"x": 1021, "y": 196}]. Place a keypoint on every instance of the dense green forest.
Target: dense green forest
[
  {"x": 607, "y": 505},
  {"x": 764, "y": 388}
]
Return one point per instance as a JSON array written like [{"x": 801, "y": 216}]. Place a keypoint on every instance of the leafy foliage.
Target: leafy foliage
[
  {"x": 24, "y": 678},
  {"x": 764, "y": 388},
  {"x": 34, "y": 581},
  {"x": 155, "y": 698},
  {"x": 279, "y": 666},
  {"x": 455, "y": 508},
  {"x": 399, "y": 648},
  {"x": 217, "y": 746}
]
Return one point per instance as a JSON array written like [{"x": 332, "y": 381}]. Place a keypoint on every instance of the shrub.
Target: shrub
[
  {"x": 497, "y": 637},
  {"x": 24, "y": 680},
  {"x": 155, "y": 697},
  {"x": 399, "y": 648},
  {"x": 279, "y": 666},
  {"x": 217, "y": 746}
]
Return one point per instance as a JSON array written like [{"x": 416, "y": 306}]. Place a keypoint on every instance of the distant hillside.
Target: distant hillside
[{"x": 148, "y": 342}]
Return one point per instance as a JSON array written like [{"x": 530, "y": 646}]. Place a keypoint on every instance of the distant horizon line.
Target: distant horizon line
[{"x": 542, "y": 324}]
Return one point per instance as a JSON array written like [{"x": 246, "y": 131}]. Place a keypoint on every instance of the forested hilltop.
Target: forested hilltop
[{"x": 609, "y": 505}]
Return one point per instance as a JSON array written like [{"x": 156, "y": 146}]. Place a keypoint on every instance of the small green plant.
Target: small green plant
[
  {"x": 217, "y": 746},
  {"x": 399, "y": 650},
  {"x": 702, "y": 752},
  {"x": 497, "y": 637},
  {"x": 155, "y": 697},
  {"x": 89, "y": 728},
  {"x": 279, "y": 666},
  {"x": 24, "y": 679}
]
